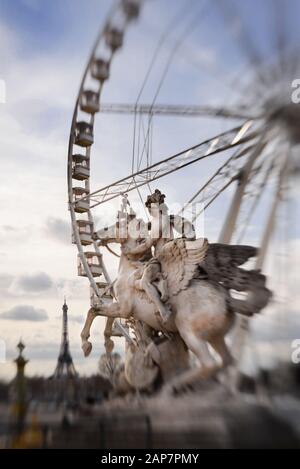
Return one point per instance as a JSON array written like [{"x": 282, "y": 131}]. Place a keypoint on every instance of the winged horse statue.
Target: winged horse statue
[{"x": 198, "y": 278}]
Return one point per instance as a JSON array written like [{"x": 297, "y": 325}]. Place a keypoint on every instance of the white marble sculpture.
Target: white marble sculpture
[{"x": 178, "y": 285}]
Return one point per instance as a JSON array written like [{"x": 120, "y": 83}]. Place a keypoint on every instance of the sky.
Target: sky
[{"x": 44, "y": 46}]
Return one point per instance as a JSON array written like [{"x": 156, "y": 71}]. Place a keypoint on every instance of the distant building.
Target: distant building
[{"x": 65, "y": 366}]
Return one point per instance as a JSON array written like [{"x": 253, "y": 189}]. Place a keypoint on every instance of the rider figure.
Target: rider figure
[{"x": 161, "y": 231}]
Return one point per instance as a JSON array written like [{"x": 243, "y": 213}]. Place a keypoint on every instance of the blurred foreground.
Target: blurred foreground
[{"x": 264, "y": 414}]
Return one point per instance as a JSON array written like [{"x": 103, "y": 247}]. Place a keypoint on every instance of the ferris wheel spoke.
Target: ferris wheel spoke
[
  {"x": 216, "y": 184},
  {"x": 227, "y": 140},
  {"x": 256, "y": 194},
  {"x": 236, "y": 203},
  {"x": 189, "y": 28},
  {"x": 244, "y": 42},
  {"x": 174, "y": 22},
  {"x": 177, "y": 110},
  {"x": 242, "y": 327},
  {"x": 280, "y": 36}
]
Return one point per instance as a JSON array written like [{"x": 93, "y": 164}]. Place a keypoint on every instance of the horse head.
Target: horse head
[{"x": 126, "y": 228}]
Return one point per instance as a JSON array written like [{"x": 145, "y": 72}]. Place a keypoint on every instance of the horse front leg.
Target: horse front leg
[
  {"x": 112, "y": 311},
  {"x": 86, "y": 345}
]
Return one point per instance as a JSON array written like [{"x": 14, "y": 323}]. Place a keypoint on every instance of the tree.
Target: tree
[{"x": 109, "y": 368}]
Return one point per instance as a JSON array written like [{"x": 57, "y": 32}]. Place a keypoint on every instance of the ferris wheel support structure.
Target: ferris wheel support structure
[
  {"x": 231, "y": 218},
  {"x": 217, "y": 144},
  {"x": 176, "y": 110},
  {"x": 242, "y": 329}
]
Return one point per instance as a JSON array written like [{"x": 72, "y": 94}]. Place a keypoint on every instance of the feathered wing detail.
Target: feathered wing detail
[
  {"x": 229, "y": 253},
  {"x": 179, "y": 260},
  {"x": 222, "y": 264},
  {"x": 182, "y": 260}
]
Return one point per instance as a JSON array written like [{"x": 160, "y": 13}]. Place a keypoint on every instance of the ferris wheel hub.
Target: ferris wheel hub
[{"x": 282, "y": 112}]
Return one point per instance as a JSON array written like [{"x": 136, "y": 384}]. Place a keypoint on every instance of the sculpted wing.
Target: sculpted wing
[
  {"x": 182, "y": 260},
  {"x": 222, "y": 264},
  {"x": 179, "y": 260}
]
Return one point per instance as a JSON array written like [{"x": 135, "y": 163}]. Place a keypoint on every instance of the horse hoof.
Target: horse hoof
[{"x": 87, "y": 348}]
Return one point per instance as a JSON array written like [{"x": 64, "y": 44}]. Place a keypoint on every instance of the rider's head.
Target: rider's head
[{"x": 155, "y": 203}]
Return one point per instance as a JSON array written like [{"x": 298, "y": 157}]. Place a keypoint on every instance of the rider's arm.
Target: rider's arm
[{"x": 141, "y": 248}]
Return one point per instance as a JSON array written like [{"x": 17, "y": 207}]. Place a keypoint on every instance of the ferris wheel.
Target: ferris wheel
[{"x": 258, "y": 146}]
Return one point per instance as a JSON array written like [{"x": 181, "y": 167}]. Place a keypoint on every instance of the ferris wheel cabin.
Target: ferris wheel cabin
[
  {"x": 100, "y": 70},
  {"x": 94, "y": 262},
  {"x": 84, "y": 134},
  {"x": 90, "y": 102},
  {"x": 85, "y": 230},
  {"x": 80, "y": 167},
  {"x": 114, "y": 38},
  {"x": 80, "y": 205},
  {"x": 131, "y": 9}
]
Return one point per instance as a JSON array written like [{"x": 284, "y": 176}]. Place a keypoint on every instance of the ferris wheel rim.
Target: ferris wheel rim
[{"x": 123, "y": 11}]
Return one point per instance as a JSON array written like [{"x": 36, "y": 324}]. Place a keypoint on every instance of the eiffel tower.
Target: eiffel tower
[{"x": 65, "y": 366}]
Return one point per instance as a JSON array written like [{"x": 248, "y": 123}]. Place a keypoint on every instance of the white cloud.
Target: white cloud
[
  {"x": 34, "y": 283},
  {"x": 58, "y": 229},
  {"x": 25, "y": 313}
]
